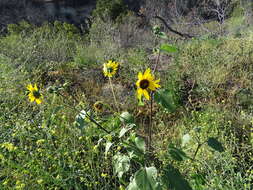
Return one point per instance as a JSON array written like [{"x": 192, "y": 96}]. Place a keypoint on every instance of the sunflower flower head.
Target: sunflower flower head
[
  {"x": 146, "y": 82},
  {"x": 110, "y": 68},
  {"x": 98, "y": 106},
  {"x": 34, "y": 94}
]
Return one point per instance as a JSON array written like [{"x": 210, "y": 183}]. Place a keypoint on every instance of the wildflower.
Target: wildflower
[
  {"x": 34, "y": 94},
  {"x": 146, "y": 81},
  {"x": 98, "y": 106},
  {"x": 9, "y": 146},
  {"x": 40, "y": 141},
  {"x": 40, "y": 181},
  {"x": 110, "y": 68},
  {"x": 104, "y": 175}
]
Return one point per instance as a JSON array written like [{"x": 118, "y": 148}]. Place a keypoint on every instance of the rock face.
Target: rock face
[{"x": 39, "y": 11}]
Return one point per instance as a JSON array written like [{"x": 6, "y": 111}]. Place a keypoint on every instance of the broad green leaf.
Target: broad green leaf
[
  {"x": 176, "y": 153},
  {"x": 126, "y": 117},
  {"x": 125, "y": 129},
  {"x": 163, "y": 35},
  {"x": 132, "y": 185},
  {"x": 121, "y": 164},
  {"x": 107, "y": 147},
  {"x": 199, "y": 180},
  {"x": 157, "y": 32},
  {"x": 173, "y": 179},
  {"x": 140, "y": 143},
  {"x": 167, "y": 98},
  {"x": 215, "y": 144},
  {"x": 140, "y": 102},
  {"x": 168, "y": 48},
  {"x": 186, "y": 139},
  {"x": 145, "y": 179},
  {"x": 81, "y": 119}
]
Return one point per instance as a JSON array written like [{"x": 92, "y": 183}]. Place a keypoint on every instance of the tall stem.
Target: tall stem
[
  {"x": 157, "y": 61},
  {"x": 114, "y": 97},
  {"x": 90, "y": 118},
  {"x": 150, "y": 123}
]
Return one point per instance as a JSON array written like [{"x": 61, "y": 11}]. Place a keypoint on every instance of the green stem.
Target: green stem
[
  {"x": 114, "y": 97},
  {"x": 157, "y": 61},
  {"x": 90, "y": 118},
  {"x": 150, "y": 123},
  {"x": 196, "y": 152}
]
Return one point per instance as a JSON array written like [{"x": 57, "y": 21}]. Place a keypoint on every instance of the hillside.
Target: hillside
[{"x": 139, "y": 100}]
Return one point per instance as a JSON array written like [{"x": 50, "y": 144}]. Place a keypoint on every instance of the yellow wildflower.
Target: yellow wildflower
[
  {"x": 146, "y": 82},
  {"x": 110, "y": 68},
  {"x": 34, "y": 94}
]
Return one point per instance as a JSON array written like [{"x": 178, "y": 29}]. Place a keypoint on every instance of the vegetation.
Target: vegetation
[{"x": 87, "y": 111}]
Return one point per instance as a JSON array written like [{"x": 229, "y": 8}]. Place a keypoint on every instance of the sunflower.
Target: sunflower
[
  {"x": 110, "y": 68},
  {"x": 34, "y": 94},
  {"x": 146, "y": 81},
  {"x": 98, "y": 106}
]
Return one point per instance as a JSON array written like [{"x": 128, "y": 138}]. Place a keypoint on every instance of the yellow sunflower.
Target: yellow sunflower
[
  {"x": 110, "y": 68},
  {"x": 34, "y": 94},
  {"x": 146, "y": 81}
]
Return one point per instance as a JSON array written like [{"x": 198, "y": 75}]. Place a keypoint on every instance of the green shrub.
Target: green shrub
[{"x": 110, "y": 8}]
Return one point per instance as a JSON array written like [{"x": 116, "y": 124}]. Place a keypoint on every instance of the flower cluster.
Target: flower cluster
[{"x": 146, "y": 82}]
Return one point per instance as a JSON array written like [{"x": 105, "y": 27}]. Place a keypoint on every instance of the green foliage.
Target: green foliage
[
  {"x": 168, "y": 99},
  {"x": 168, "y": 48},
  {"x": 176, "y": 153},
  {"x": 121, "y": 164},
  {"x": 110, "y": 8},
  {"x": 215, "y": 144},
  {"x": 206, "y": 90},
  {"x": 145, "y": 179},
  {"x": 173, "y": 179}
]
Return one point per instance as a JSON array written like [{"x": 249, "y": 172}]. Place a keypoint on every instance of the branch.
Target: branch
[{"x": 172, "y": 30}]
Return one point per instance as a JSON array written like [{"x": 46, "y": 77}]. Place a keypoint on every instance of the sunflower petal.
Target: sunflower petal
[
  {"x": 156, "y": 83},
  {"x": 38, "y": 101},
  {"x": 138, "y": 83},
  {"x": 145, "y": 93},
  {"x": 140, "y": 76},
  {"x": 31, "y": 97},
  {"x": 30, "y": 87},
  {"x": 147, "y": 72},
  {"x": 139, "y": 93},
  {"x": 35, "y": 87},
  {"x": 152, "y": 86}
]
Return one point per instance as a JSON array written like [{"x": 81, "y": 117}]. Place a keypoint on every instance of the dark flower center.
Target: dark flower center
[
  {"x": 109, "y": 69},
  {"x": 144, "y": 84},
  {"x": 98, "y": 106},
  {"x": 36, "y": 94}
]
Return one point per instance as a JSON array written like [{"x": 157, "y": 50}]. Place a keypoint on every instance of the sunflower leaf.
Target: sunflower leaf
[
  {"x": 215, "y": 144},
  {"x": 173, "y": 179},
  {"x": 168, "y": 48},
  {"x": 107, "y": 147},
  {"x": 140, "y": 143},
  {"x": 145, "y": 179},
  {"x": 126, "y": 117},
  {"x": 176, "y": 153},
  {"x": 80, "y": 120},
  {"x": 121, "y": 164},
  {"x": 167, "y": 98},
  {"x": 124, "y": 130}
]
